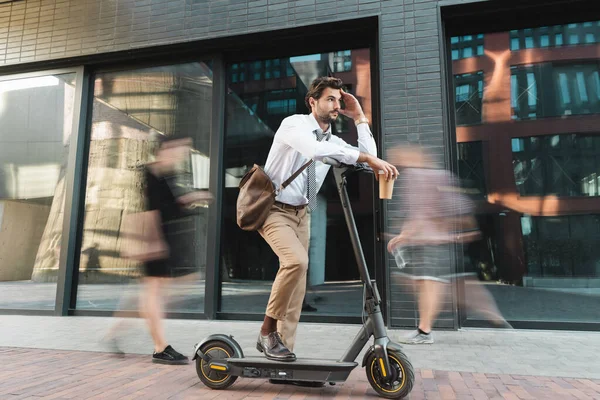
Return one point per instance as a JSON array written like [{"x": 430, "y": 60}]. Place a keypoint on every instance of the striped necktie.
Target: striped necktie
[{"x": 311, "y": 181}]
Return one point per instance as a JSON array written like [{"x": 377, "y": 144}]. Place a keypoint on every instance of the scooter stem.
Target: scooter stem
[{"x": 340, "y": 181}]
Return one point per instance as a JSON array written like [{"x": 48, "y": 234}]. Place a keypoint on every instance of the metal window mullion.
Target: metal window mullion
[
  {"x": 217, "y": 173},
  {"x": 537, "y": 38},
  {"x": 522, "y": 39},
  {"x": 523, "y": 99},
  {"x": 572, "y": 260},
  {"x": 74, "y": 185}
]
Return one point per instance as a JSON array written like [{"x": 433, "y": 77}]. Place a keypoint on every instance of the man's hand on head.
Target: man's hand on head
[{"x": 353, "y": 109}]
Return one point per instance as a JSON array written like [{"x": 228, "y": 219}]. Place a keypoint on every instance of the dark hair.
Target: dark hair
[{"x": 318, "y": 85}]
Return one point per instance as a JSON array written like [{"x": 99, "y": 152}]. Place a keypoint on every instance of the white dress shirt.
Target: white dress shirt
[{"x": 295, "y": 143}]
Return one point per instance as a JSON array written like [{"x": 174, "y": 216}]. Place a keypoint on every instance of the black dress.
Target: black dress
[{"x": 177, "y": 227}]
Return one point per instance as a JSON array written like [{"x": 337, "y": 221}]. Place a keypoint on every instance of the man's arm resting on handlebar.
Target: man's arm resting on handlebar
[
  {"x": 364, "y": 157},
  {"x": 377, "y": 165}
]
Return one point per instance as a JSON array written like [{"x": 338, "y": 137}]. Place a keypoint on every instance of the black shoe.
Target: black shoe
[
  {"x": 313, "y": 384},
  {"x": 169, "y": 356},
  {"x": 308, "y": 308},
  {"x": 274, "y": 348}
]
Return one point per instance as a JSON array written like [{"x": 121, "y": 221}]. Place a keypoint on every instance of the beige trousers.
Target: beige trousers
[{"x": 287, "y": 232}]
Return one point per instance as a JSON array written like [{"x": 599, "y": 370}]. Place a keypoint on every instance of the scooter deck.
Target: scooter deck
[
  {"x": 306, "y": 369},
  {"x": 299, "y": 364}
]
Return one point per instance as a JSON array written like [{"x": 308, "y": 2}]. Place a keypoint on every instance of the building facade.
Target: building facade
[{"x": 506, "y": 100}]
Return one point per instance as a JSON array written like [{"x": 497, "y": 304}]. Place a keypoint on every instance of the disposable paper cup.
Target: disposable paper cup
[{"x": 386, "y": 187}]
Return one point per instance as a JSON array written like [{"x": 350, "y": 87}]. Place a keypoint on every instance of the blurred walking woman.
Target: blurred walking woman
[
  {"x": 438, "y": 215},
  {"x": 160, "y": 198},
  {"x": 154, "y": 238}
]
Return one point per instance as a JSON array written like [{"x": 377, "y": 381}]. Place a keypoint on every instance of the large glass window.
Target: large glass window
[
  {"x": 36, "y": 119},
  {"x": 131, "y": 110},
  {"x": 342, "y": 61},
  {"x": 468, "y": 92},
  {"x": 471, "y": 168},
  {"x": 555, "y": 36},
  {"x": 260, "y": 70},
  {"x": 537, "y": 146},
  {"x": 466, "y": 46},
  {"x": 254, "y": 113},
  {"x": 552, "y": 90},
  {"x": 524, "y": 99},
  {"x": 562, "y": 247},
  {"x": 561, "y": 165}
]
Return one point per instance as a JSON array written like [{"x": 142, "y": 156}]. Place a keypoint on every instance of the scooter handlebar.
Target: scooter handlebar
[
  {"x": 356, "y": 167},
  {"x": 331, "y": 161}
]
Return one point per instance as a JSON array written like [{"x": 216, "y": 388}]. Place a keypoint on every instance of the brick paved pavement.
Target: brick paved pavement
[
  {"x": 520, "y": 352},
  {"x": 59, "y": 374}
]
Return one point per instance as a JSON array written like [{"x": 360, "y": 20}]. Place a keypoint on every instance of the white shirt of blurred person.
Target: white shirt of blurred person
[{"x": 286, "y": 227}]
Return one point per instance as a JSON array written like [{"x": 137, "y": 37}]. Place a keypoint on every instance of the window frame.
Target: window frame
[
  {"x": 460, "y": 17},
  {"x": 67, "y": 257}
]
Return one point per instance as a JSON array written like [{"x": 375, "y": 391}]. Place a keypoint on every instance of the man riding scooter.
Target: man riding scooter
[{"x": 299, "y": 139}]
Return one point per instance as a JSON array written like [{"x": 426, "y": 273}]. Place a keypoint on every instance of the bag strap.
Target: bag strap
[{"x": 295, "y": 175}]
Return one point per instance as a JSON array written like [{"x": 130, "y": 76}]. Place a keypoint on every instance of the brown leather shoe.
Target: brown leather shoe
[{"x": 273, "y": 347}]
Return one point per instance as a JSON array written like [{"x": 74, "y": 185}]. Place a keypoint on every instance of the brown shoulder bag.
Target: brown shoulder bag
[{"x": 257, "y": 196}]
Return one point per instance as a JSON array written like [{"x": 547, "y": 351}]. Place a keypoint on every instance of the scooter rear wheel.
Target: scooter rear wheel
[
  {"x": 403, "y": 376},
  {"x": 215, "y": 379}
]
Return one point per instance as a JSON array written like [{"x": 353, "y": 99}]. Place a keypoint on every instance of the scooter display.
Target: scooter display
[{"x": 220, "y": 360}]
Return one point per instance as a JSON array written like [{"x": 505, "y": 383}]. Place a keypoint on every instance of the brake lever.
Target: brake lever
[{"x": 363, "y": 167}]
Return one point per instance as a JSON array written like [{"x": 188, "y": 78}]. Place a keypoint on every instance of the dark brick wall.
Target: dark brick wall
[{"x": 38, "y": 30}]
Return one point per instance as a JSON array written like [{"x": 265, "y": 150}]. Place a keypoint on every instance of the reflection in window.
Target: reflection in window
[
  {"x": 287, "y": 106},
  {"x": 532, "y": 97},
  {"x": 552, "y": 36},
  {"x": 466, "y": 46},
  {"x": 562, "y": 246},
  {"x": 524, "y": 93},
  {"x": 36, "y": 118},
  {"x": 590, "y": 38},
  {"x": 547, "y": 90},
  {"x": 343, "y": 126},
  {"x": 529, "y": 42},
  {"x": 254, "y": 113},
  {"x": 561, "y": 170},
  {"x": 258, "y": 70},
  {"x": 583, "y": 97},
  {"x": 468, "y": 96},
  {"x": 342, "y": 61},
  {"x": 470, "y": 166},
  {"x": 565, "y": 97},
  {"x": 561, "y": 165},
  {"x": 574, "y": 39},
  {"x": 579, "y": 89},
  {"x": 131, "y": 110}
]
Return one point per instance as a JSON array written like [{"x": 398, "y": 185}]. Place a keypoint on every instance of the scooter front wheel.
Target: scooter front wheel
[
  {"x": 215, "y": 378},
  {"x": 402, "y": 379}
]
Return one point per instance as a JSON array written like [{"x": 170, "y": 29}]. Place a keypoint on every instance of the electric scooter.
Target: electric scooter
[{"x": 220, "y": 360}]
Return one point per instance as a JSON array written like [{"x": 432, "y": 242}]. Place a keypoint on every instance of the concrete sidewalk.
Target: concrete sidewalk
[{"x": 515, "y": 352}]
